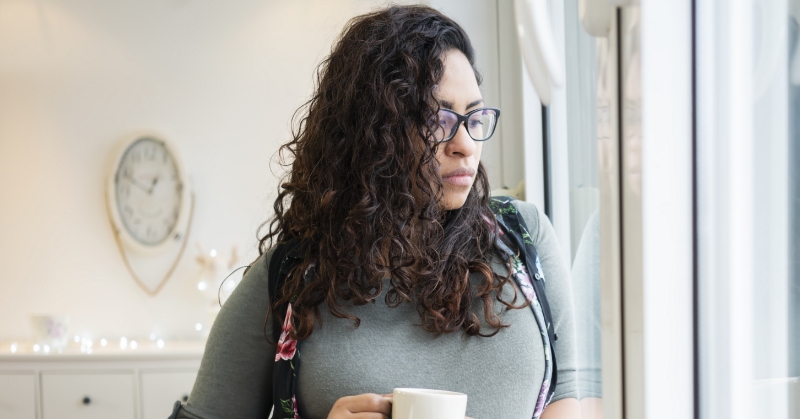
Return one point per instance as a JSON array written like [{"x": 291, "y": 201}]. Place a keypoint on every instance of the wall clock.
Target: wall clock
[{"x": 149, "y": 202}]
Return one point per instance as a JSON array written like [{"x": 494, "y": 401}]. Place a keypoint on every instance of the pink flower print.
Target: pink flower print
[
  {"x": 541, "y": 402},
  {"x": 294, "y": 405},
  {"x": 287, "y": 346},
  {"x": 530, "y": 294},
  {"x": 524, "y": 280}
]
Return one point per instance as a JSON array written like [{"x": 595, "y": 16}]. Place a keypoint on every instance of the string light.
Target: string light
[
  {"x": 123, "y": 342},
  {"x": 14, "y": 348},
  {"x": 103, "y": 342},
  {"x": 134, "y": 344},
  {"x": 160, "y": 343},
  {"x": 36, "y": 348},
  {"x": 198, "y": 327},
  {"x": 47, "y": 349}
]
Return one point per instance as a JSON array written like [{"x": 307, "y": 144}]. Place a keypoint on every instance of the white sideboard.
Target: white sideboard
[{"x": 127, "y": 384}]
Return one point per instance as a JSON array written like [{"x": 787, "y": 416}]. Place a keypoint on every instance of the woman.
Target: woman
[{"x": 402, "y": 283}]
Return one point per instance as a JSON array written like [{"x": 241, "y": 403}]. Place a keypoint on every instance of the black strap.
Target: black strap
[
  {"x": 175, "y": 409},
  {"x": 519, "y": 234},
  {"x": 286, "y": 256}
]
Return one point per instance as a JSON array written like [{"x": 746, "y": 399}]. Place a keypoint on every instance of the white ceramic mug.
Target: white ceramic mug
[{"x": 420, "y": 403}]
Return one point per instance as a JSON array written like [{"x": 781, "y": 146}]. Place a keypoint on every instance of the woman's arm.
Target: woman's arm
[
  {"x": 235, "y": 377},
  {"x": 563, "y": 409}
]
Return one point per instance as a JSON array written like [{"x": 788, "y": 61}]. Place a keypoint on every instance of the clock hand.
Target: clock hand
[
  {"x": 136, "y": 183},
  {"x": 152, "y": 186}
]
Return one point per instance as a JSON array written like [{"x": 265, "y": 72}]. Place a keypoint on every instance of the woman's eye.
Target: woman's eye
[{"x": 475, "y": 123}]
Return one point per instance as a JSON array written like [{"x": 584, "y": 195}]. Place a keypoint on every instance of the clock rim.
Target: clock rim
[{"x": 181, "y": 225}]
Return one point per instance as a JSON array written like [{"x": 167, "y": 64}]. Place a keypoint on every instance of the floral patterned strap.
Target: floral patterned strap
[
  {"x": 513, "y": 229},
  {"x": 287, "y": 361},
  {"x": 284, "y": 373}
]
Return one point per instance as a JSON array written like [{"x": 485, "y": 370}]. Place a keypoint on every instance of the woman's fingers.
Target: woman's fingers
[
  {"x": 370, "y": 403},
  {"x": 363, "y": 406}
]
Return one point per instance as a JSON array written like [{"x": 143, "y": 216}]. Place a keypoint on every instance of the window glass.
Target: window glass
[
  {"x": 775, "y": 303},
  {"x": 749, "y": 209},
  {"x": 584, "y": 198},
  {"x": 794, "y": 204}
]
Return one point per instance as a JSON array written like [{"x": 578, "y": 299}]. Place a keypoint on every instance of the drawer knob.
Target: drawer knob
[
  {"x": 185, "y": 398},
  {"x": 87, "y": 401}
]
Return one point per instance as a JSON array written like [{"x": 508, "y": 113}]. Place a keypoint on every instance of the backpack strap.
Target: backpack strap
[
  {"x": 286, "y": 256},
  {"x": 516, "y": 230}
]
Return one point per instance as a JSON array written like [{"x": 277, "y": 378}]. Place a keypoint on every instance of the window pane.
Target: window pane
[
  {"x": 749, "y": 208},
  {"x": 794, "y": 205},
  {"x": 773, "y": 209},
  {"x": 584, "y": 198}
]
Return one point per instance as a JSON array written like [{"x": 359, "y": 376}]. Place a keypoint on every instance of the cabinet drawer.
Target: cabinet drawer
[
  {"x": 160, "y": 390},
  {"x": 87, "y": 395},
  {"x": 17, "y": 396}
]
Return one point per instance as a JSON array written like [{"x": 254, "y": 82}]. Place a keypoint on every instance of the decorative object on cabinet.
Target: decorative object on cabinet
[
  {"x": 215, "y": 267},
  {"x": 149, "y": 202},
  {"x": 50, "y": 330},
  {"x": 215, "y": 279}
]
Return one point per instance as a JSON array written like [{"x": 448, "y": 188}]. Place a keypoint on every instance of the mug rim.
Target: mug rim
[{"x": 427, "y": 391}]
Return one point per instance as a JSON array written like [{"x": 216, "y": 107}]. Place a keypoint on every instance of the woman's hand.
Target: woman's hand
[{"x": 363, "y": 406}]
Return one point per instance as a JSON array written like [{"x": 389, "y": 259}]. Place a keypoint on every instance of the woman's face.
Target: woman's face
[{"x": 458, "y": 158}]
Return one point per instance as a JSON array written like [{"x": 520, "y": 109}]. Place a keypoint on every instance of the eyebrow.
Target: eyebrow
[{"x": 449, "y": 105}]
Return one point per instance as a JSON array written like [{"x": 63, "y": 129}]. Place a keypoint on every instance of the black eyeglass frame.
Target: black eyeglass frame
[{"x": 462, "y": 119}]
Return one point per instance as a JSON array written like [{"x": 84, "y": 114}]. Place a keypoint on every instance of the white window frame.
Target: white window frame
[{"x": 648, "y": 291}]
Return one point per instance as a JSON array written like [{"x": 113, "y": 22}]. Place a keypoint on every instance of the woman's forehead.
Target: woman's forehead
[{"x": 458, "y": 87}]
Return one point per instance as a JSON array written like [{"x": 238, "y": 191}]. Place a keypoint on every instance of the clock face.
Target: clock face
[{"x": 149, "y": 191}]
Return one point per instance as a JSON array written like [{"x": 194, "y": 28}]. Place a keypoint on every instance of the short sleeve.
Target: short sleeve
[
  {"x": 235, "y": 376},
  {"x": 559, "y": 295}
]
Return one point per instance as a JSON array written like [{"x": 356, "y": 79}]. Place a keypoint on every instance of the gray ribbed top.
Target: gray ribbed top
[{"x": 502, "y": 375}]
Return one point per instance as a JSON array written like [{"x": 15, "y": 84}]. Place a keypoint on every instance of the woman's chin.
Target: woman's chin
[{"x": 455, "y": 200}]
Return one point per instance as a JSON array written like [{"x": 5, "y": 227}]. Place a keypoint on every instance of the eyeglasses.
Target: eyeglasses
[{"x": 480, "y": 124}]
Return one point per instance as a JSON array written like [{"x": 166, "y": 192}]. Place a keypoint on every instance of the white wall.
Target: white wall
[{"x": 220, "y": 81}]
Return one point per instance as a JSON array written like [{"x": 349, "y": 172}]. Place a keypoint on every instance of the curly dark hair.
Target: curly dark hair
[{"x": 364, "y": 185}]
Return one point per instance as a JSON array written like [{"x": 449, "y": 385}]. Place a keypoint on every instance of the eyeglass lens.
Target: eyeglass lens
[{"x": 480, "y": 124}]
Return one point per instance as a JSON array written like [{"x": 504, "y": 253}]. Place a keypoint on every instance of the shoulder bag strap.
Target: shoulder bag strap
[
  {"x": 517, "y": 231},
  {"x": 287, "y": 256}
]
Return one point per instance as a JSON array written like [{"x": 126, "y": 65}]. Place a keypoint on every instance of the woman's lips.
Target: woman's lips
[{"x": 460, "y": 177}]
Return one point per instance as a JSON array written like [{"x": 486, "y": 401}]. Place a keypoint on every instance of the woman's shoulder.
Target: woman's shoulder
[{"x": 257, "y": 273}]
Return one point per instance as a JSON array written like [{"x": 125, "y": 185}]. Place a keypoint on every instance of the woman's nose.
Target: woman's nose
[{"x": 461, "y": 143}]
